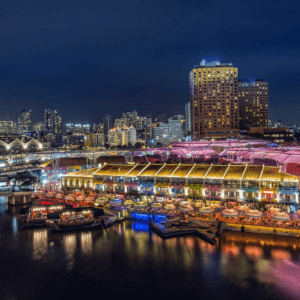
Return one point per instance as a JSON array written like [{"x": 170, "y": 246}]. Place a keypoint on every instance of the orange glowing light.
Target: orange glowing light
[
  {"x": 280, "y": 254},
  {"x": 253, "y": 251},
  {"x": 231, "y": 250}
]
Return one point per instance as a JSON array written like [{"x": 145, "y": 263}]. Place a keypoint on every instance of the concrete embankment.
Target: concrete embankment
[{"x": 262, "y": 229}]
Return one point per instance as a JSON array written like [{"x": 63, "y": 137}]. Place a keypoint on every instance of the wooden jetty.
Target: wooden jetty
[{"x": 208, "y": 234}]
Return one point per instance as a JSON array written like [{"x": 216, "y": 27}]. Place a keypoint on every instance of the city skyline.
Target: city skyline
[{"x": 72, "y": 60}]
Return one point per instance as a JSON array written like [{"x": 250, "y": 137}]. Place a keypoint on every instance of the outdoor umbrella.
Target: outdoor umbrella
[
  {"x": 230, "y": 213},
  {"x": 206, "y": 210},
  {"x": 214, "y": 206},
  {"x": 90, "y": 198},
  {"x": 274, "y": 210},
  {"x": 80, "y": 198},
  {"x": 140, "y": 204},
  {"x": 242, "y": 208},
  {"x": 115, "y": 202},
  {"x": 185, "y": 208},
  {"x": 169, "y": 207},
  {"x": 253, "y": 213},
  {"x": 102, "y": 199},
  {"x": 281, "y": 216},
  {"x": 156, "y": 205},
  {"x": 128, "y": 202}
]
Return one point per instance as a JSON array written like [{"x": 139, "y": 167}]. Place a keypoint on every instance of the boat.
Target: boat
[
  {"x": 77, "y": 219},
  {"x": 77, "y": 225},
  {"x": 37, "y": 215}
]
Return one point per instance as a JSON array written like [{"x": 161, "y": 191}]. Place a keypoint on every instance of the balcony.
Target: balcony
[
  {"x": 213, "y": 183},
  {"x": 231, "y": 186},
  {"x": 98, "y": 181},
  {"x": 131, "y": 183},
  {"x": 108, "y": 182},
  {"x": 145, "y": 182},
  {"x": 162, "y": 184},
  {"x": 178, "y": 185},
  {"x": 195, "y": 186},
  {"x": 287, "y": 190}
]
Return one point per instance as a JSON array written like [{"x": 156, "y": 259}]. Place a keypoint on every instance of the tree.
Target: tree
[
  {"x": 138, "y": 145},
  {"x": 26, "y": 178}
]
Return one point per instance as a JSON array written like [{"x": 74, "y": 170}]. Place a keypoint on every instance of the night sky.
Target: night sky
[{"x": 91, "y": 58}]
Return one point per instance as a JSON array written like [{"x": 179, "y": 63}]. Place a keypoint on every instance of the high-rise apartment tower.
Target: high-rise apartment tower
[
  {"x": 25, "y": 121},
  {"x": 52, "y": 121},
  {"x": 253, "y": 103},
  {"x": 214, "y": 100}
]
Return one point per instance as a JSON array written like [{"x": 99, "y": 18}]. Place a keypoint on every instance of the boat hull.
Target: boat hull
[
  {"x": 79, "y": 226},
  {"x": 34, "y": 223}
]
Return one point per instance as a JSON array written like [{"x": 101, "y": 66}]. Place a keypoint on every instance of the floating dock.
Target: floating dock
[{"x": 206, "y": 234}]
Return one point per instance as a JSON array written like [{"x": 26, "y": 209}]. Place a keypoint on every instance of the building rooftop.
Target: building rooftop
[
  {"x": 227, "y": 172},
  {"x": 212, "y": 64}
]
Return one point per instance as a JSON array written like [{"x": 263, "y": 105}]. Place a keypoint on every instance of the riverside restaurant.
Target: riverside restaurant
[{"x": 210, "y": 183}]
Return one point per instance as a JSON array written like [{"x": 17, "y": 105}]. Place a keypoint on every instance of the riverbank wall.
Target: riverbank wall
[{"x": 289, "y": 232}]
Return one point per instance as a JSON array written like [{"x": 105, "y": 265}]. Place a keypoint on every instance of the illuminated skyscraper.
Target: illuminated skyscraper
[
  {"x": 7, "y": 127},
  {"x": 107, "y": 124},
  {"x": 187, "y": 117},
  {"x": 25, "y": 122},
  {"x": 214, "y": 100},
  {"x": 52, "y": 121},
  {"x": 253, "y": 103}
]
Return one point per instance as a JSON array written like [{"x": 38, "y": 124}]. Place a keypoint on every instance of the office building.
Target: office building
[
  {"x": 161, "y": 118},
  {"x": 132, "y": 135},
  {"x": 80, "y": 128},
  {"x": 187, "y": 117},
  {"x": 25, "y": 122},
  {"x": 98, "y": 127},
  {"x": 161, "y": 133},
  {"x": 7, "y": 127},
  {"x": 253, "y": 103},
  {"x": 122, "y": 136},
  {"x": 98, "y": 139},
  {"x": 39, "y": 127},
  {"x": 107, "y": 124},
  {"x": 52, "y": 121},
  {"x": 214, "y": 100},
  {"x": 175, "y": 128},
  {"x": 145, "y": 124}
]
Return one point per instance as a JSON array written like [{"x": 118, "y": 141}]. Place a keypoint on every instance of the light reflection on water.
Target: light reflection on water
[
  {"x": 40, "y": 243},
  {"x": 69, "y": 245},
  {"x": 86, "y": 242},
  {"x": 245, "y": 265}
]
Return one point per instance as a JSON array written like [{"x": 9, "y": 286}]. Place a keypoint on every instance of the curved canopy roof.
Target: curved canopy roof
[{"x": 203, "y": 171}]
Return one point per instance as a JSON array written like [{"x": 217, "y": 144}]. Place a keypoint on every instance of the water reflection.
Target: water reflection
[
  {"x": 280, "y": 254},
  {"x": 285, "y": 276},
  {"x": 15, "y": 225},
  {"x": 254, "y": 252},
  {"x": 86, "y": 242},
  {"x": 239, "y": 265},
  {"x": 69, "y": 244},
  {"x": 39, "y": 243}
]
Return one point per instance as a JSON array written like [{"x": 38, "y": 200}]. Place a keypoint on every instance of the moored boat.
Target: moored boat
[
  {"x": 77, "y": 219},
  {"x": 37, "y": 215}
]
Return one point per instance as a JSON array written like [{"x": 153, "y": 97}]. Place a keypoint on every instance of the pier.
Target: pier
[
  {"x": 18, "y": 198},
  {"x": 208, "y": 235}
]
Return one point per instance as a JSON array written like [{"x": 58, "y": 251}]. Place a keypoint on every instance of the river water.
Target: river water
[{"x": 129, "y": 262}]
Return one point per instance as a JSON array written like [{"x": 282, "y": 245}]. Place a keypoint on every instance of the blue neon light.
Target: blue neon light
[
  {"x": 145, "y": 217},
  {"x": 140, "y": 227}
]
